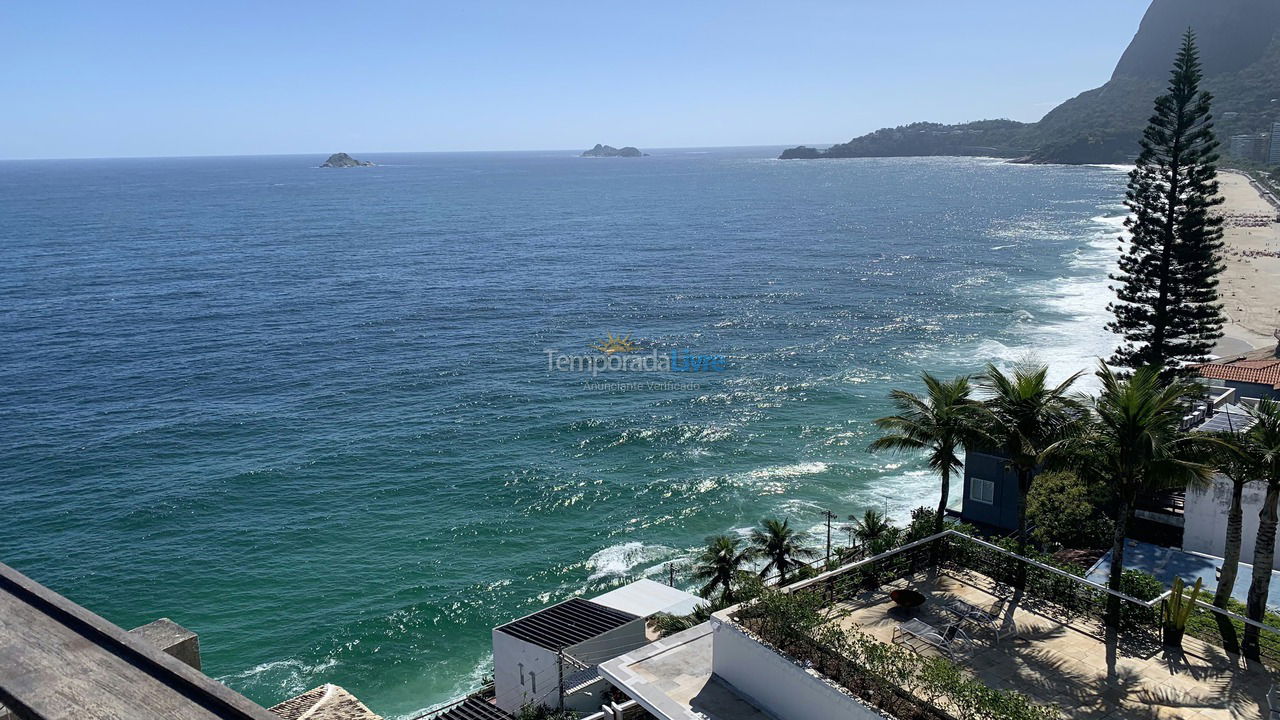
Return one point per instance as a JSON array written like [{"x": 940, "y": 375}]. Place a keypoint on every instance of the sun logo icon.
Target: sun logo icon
[{"x": 613, "y": 345}]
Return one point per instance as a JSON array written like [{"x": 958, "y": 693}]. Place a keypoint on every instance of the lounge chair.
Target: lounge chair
[
  {"x": 987, "y": 617},
  {"x": 950, "y": 641}
]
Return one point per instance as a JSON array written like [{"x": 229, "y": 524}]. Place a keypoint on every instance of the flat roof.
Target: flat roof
[
  {"x": 566, "y": 624},
  {"x": 672, "y": 679},
  {"x": 58, "y": 661},
  {"x": 646, "y": 598},
  {"x": 1228, "y": 418},
  {"x": 1166, "y": 563}
]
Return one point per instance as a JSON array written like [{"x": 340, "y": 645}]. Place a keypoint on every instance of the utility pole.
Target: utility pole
[
  {"x": 560, "y": 669},
  {"x": 829, "y": 517},
  {"x": 671, "y": 574}
]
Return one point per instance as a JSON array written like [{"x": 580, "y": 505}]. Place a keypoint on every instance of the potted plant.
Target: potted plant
[{"x": 1177, "y": 608}]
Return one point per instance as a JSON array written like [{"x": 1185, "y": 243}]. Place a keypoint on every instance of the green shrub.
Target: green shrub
[
  {"x": 921, "y": 526},
  {"x": 1069, "y": 512},
  {"x": 889, "y": 673},
  {"x": 1142, "y": 586},
  {"x": 1203, "y": 624}
]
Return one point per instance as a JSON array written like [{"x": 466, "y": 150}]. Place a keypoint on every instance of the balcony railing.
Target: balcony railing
[{"x": 1045, "y": 589}]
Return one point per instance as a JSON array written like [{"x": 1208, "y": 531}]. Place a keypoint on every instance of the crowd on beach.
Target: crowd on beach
[
  {"x": 1249, "y": 219},
  {"x": 1251, "y": 253}
]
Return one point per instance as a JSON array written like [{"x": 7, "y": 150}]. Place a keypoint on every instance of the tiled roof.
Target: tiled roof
[
  {"x": 1259, "y": 367},
  {"x": 569, "y": 623},
  {"x": 327, "y": 702}
]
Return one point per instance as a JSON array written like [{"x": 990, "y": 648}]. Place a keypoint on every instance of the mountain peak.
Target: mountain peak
[{"x": 1231, "y": 35}]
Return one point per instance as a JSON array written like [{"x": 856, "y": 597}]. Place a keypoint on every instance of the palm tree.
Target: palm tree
[
  {"x": 1028, "y": 415},
  {"x": 1232, "y": 465},
  {"x": 781, "y": 545},
  {"x": 947, "y": 419},
  {"x": 1134, "y": 443},
  {"x": 719, "y": 564},
  {"x": 1260, "y": 449},
  {"x": 667, "y": 624},
  {"x": 875, "y": 532}
]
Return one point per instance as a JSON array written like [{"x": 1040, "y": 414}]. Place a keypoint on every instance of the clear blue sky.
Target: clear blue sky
[{"x": 120, "y": 78}]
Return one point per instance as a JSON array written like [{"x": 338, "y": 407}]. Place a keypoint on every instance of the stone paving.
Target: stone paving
[
  {"x": 1076, "y": 665},
  {"x": 674, "y": 675}
]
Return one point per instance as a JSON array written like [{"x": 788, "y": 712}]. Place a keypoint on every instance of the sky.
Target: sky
[{"x": 232, "y": 77}]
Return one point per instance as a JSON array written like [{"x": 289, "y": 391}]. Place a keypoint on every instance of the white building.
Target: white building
[
  {"x": 1205, "y": 530},
  {"x": 557, "y": 651},
  {"x": 541, "y": 656}
]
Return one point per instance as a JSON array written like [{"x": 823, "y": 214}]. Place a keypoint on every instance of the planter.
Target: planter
[
  {"x": 907, "y": 598},
  {"x": 1173, "y": 636}
]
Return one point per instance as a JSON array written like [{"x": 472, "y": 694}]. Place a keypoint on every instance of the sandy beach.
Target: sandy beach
[{"x": 1251, "y": 282}]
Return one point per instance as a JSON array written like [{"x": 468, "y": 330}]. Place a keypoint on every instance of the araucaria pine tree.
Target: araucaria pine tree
[{"x": 1167, "y": 291}]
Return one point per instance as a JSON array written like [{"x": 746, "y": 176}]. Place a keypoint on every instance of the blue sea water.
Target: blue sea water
[{"x": 308, "y": 413}]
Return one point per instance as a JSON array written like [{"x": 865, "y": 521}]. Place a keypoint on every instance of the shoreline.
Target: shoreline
[{"x": 1250, "y": 282}]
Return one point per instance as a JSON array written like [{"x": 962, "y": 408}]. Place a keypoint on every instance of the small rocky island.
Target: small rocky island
[
  {"x": 801, "y": 153},
  {"x": 611, "y": 151},
  {"x": 343, "y": 160}
]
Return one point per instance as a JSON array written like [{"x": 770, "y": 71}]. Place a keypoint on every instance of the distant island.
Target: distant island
[
  {"x": 1239, "y": 44},
  {"x": 343, "y": 160},
  {"x": 611, "y": 151}
]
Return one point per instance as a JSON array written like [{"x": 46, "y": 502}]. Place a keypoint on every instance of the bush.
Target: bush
[
  {"x": 921, "y": 525},
  {"x": 1142, "y": 586},
  {"x": 1069, "y": 512},
  {"x": 534, "y": 711},
  {"x": 1203, "y": 624},
  {"x": 888, "y": 676}
]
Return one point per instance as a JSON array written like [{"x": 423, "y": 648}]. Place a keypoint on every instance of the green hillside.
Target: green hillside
[{"x": 1240, "y": 47}]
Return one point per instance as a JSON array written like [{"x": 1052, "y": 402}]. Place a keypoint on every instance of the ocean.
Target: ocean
[{"x": 321, "y": 417}]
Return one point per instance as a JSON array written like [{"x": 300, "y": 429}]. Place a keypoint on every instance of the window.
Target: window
[{"x": 983, "y": 491}]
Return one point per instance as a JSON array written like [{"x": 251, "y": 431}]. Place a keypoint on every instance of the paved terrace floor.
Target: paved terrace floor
[{"x": 1075, "y": 665}]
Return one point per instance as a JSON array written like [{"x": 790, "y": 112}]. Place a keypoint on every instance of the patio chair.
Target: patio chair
[
  {"x": 950, "y": 641},
  {"x": 988, "y": 617}
]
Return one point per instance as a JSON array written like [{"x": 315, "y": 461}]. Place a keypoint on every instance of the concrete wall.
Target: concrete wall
[
  {"x": 1205, "y": 528},
  {"x": 618, "y": 641},
  {"x": 1003, "y": 512},
  {"x": 517, "y": 667},
  {"x": 1251, "y": 390},
  {"x": 775, "y": 684},
  {"x": 172, "y": 638},
  {"x": 586, "y": 700}
]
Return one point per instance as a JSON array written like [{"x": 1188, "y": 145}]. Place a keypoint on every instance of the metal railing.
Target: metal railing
[
  {"x": 1071, "y": 596},
  {"x": 1045, "y": 589}
]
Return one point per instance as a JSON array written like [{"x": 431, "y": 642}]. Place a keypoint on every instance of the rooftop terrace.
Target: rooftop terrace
[
  {"x": 673, "y": 677},
  {"x": 1074, "y": 664},
  {"x": 833, "y": 646}
]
